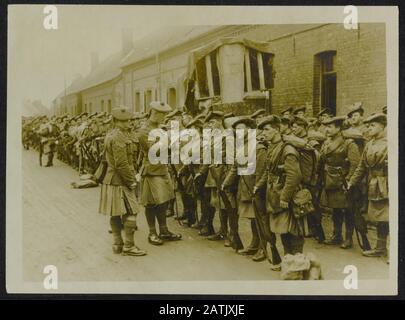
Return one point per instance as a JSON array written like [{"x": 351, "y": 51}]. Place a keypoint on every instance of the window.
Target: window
[
  {"x": 258, "y": 68},
  {"x": 85, "y": 107},
  {"x": 171, "y": 97},
  {"x": 90, "y": 107},
  {"x": 137, "y": 106},
  {"x": 147, "y": 99},
  {"x": 207, "y": 73},
  {"x": 109, "y": 106},
  {"x": 324, "y": 94},
  {"x": 102, "y": 105}
]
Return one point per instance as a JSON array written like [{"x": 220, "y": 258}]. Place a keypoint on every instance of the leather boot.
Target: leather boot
[
  {"x": 116, "y": 227},
  {"x": 259, "y": 256}
]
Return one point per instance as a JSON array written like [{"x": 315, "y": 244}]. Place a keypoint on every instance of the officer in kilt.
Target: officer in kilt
[
  {"x": 156, "y": 184},
  {"x": 118, "y": 198}
]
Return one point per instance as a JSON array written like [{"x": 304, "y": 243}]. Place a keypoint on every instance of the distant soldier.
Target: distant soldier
[
  {"x": 323, "y": 115},
  {"x": 300, "y": 111},
  {"x": 287, "y": 112},
  {"x": 118, "y": 198},
  {"x": 285, "y": 125},
  {"x": 374, "y": 166},
  {"x": 339, "y": 159},
  {"x": 250, "y": 206},
  {"x": 156, "y": 185},
  {"x": 299, "y": 127},
  {"x": 49, "y": 133}
]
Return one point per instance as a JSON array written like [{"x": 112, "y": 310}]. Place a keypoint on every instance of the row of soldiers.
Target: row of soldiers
[{"x": 344, "y": 171}]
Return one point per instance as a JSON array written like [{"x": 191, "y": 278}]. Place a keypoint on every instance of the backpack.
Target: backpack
[{"x": 309, "y": 159}]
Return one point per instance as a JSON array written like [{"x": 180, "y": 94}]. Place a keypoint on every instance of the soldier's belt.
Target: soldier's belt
[{"x": 333, "y": 170}]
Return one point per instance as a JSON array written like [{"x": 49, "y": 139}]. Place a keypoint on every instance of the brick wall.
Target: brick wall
[{"x": 360, "y": 64}]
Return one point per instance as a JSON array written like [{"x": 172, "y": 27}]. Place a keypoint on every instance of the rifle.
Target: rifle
[
  {"x": 41, "y": 151},
  {"x": 236, "y": 242},
  {"x": 181, "y": 187},
  {"x": 346, "y": 190},
  {"x": 196, "y": 194},
  {"x": 272, "y": 240}
]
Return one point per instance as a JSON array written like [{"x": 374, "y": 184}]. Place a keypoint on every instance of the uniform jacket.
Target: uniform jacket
[
  {"x": 119, "y": 156},
  {"x": 246, "y": 184},
  {"x": 339, "y": 159},
  {"x": 373, "y": 163}
]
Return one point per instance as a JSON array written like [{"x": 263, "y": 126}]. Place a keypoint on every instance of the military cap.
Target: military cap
[
  {"x": 272, "y": 120},
  {"x": 229, "y": 115},
  {"x": 357, "y": 107},
  {"x": 201, "y": 116},
  {"x": 214, "y": 114},
  {"x": 377, "y": 117},
  {"x": 257, "y": 113},
  {"x": 384, "y": 109},
  {"x": 352, "y": 133},
  {"x": 248, "y": 121},
  {"x": 108, "y": 120},
  {"x": 285, "y": 120},
  {"x": 83, "y": 114},
  {"x": 160, "y": 106},
  {"x": 316, "y": 135},
  {"x": 228, "y": 122},
  {"x": 300, "y": 121},
  {"x": 196, "y": 122},
  {"x": 286, "y": 109},
  {"x": 298, "y": 109},
  {"x": 323, "y": 111},
  {"x": 174, "y": 113},
  {"x": 121, "y": 113},
  {"x": 338, "y": 121}
]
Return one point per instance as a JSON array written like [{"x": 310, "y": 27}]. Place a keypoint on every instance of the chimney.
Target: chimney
[
  {"x": 93, "y": 60},
  {"x": 126, "y": 41}
]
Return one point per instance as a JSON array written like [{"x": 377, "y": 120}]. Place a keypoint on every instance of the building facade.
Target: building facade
[{"x": 313, "y": 65}]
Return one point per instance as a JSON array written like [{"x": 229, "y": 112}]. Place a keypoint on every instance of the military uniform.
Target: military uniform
[
  {"x": 339, "y": 159},
  {"x": 283, "y": 180},
  {"x": 49, "y": 133},
  {"x": 374, "y": 166},
  {"x": 156, "y": 184},
  {"x": 118, "y": 198},
  {"x": 245, "y": 185}
]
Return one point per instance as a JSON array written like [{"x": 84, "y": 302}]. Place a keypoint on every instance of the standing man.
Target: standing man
[
  {"x": 374, "y": 166},
  {"x": 283, "y": 179},
  {"x": 118, "y": 198},
  {"x": 156, "y": 185},
  {"x": 339, "y": 159},
  {"x": 49, "y": 133}
]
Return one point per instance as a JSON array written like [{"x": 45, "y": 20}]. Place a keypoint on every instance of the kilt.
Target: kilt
[
  {"x": 117, "y": 200},
  {"x": 246, "y": 210},
  {"x": 156, "y": 190},
  {"x": 378, "y": 210}
]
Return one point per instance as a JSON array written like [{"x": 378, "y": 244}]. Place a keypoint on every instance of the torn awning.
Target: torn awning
[{"x": 199, "y": 53}]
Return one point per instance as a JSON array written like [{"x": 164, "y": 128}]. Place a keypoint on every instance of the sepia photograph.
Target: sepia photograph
[{"x": 202, "y": 150}]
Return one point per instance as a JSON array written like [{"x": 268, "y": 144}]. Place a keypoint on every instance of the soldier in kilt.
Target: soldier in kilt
[
  {"x": 118, "y": 198},
  {"x": 157, "y": 188}
]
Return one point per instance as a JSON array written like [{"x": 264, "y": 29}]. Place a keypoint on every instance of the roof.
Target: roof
[
  {"x": 164, "y": 39},
  {"x": 148, "y": 46}
]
